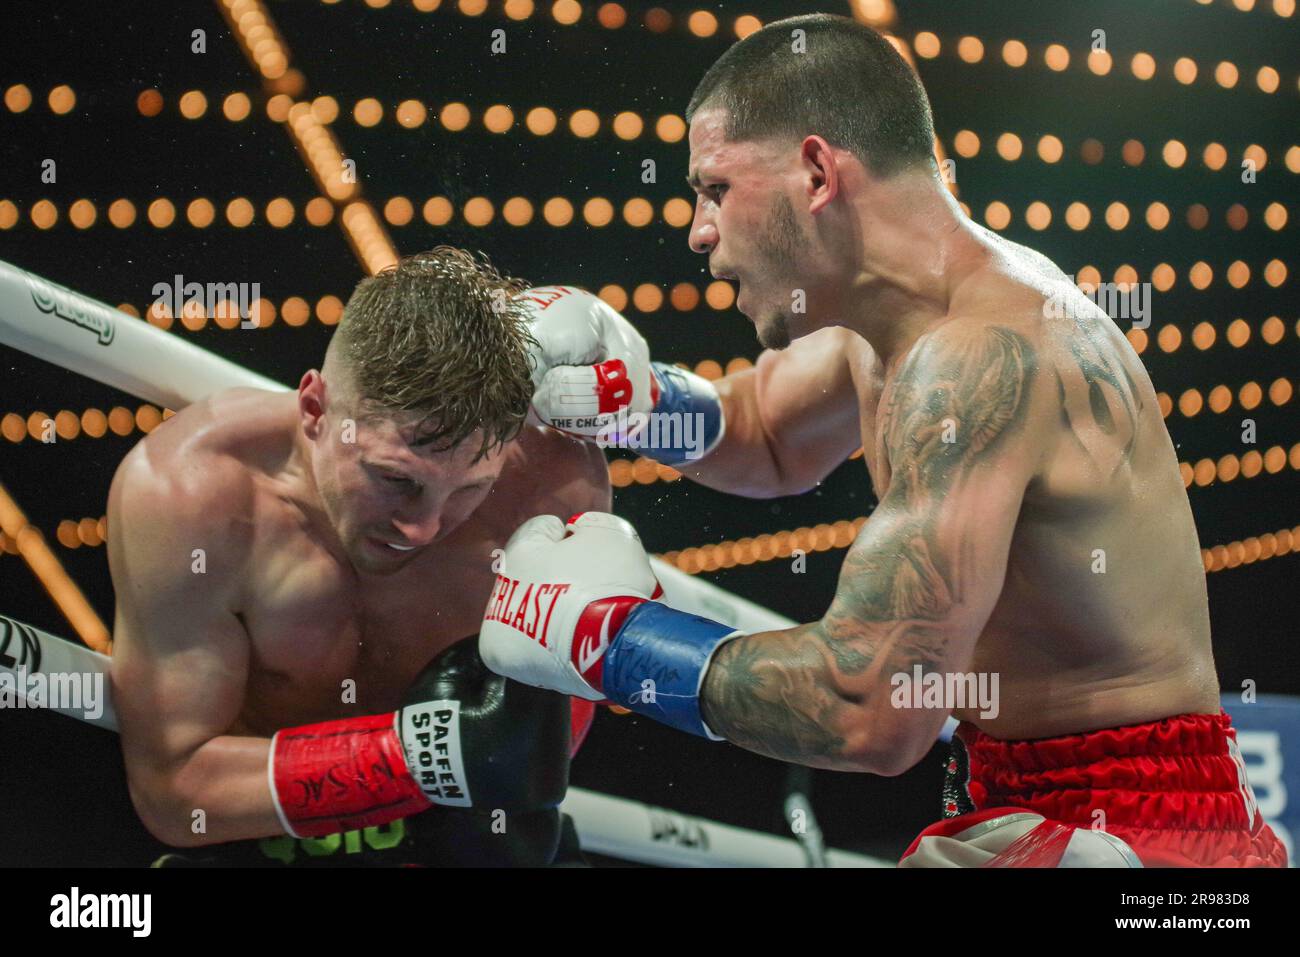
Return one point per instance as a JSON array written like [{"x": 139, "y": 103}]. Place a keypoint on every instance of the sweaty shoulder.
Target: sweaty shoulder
[
  {"x": 979, "y": 341},
  {"x": 1091, "y": 382},
  {"x": 550, "y": 472},
  {"x": 974, "y": 383},
  {"x": 180, "y": 496}
]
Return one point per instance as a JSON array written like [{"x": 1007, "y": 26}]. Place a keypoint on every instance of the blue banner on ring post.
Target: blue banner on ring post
[{"x": 1268, "y": 734}]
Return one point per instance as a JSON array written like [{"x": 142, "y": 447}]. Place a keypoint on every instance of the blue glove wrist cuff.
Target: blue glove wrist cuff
[
  {"x": 655, "y": 666},
  {"x": 697, "y": 425}
]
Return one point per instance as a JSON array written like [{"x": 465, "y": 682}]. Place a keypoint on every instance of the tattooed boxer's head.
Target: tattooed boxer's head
[{"x": 780, "y": 126}]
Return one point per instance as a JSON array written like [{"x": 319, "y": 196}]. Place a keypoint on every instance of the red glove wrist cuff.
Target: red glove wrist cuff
[{"x": 342, "y": 776}]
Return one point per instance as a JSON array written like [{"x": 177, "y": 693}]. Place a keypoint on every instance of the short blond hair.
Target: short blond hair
[{"x": 441, "y": 335}]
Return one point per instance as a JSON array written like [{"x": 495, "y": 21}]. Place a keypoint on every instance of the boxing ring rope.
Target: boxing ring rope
[{"x": 84, "y": 335}]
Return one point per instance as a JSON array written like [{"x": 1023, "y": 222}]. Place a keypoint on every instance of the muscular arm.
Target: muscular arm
[
  {"x": 920, "y": 582},
  {"x": 791, "y": 420},
  {"x": 181, "y": 655}
]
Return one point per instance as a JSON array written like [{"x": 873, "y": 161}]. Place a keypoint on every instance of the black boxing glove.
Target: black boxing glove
[
  {"x": 464, "y": 738},
  {"x": 475, "y": 739}
]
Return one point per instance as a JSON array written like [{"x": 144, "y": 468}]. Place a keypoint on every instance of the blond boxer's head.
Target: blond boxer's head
[
  {"x": 784, "y": 126},
  {"x": 424, "y": 383}
]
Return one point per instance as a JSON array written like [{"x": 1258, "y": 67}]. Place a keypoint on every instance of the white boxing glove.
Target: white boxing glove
[
  {"x": 561, "y": 596},
  {"x": 593, "y": 378},
  {"x": 590, "y": 365},
  {"x": 575, "y": 610}
]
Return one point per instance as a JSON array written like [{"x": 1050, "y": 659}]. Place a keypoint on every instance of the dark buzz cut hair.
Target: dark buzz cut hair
[
  {"x": 849, "y": 85},
  {"x": 440, "y": 335}
]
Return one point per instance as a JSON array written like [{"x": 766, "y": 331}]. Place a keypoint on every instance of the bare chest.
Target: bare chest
[{"x": 327, "y": 644}]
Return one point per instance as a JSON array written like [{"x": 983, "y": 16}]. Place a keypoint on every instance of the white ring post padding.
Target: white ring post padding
[
  {"x": 84, "y": 335},
  {"x": 615, "y": 827},
  {"x": 33, "y": 651}
]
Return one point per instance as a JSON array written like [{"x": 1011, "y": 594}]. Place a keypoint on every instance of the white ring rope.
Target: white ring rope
[{"x": 83, "y": 335}]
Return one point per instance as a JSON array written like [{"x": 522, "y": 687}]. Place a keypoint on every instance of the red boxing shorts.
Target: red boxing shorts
[{"x": 1174, "y": 791}]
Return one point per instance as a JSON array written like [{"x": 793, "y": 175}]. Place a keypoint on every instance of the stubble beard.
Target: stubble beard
[{"x": 778, "y": 246}]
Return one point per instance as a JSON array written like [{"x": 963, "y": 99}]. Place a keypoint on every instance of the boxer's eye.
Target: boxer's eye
[
  {"x": 467, "y": 490},
  {"x": 401, "y": 482}
]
